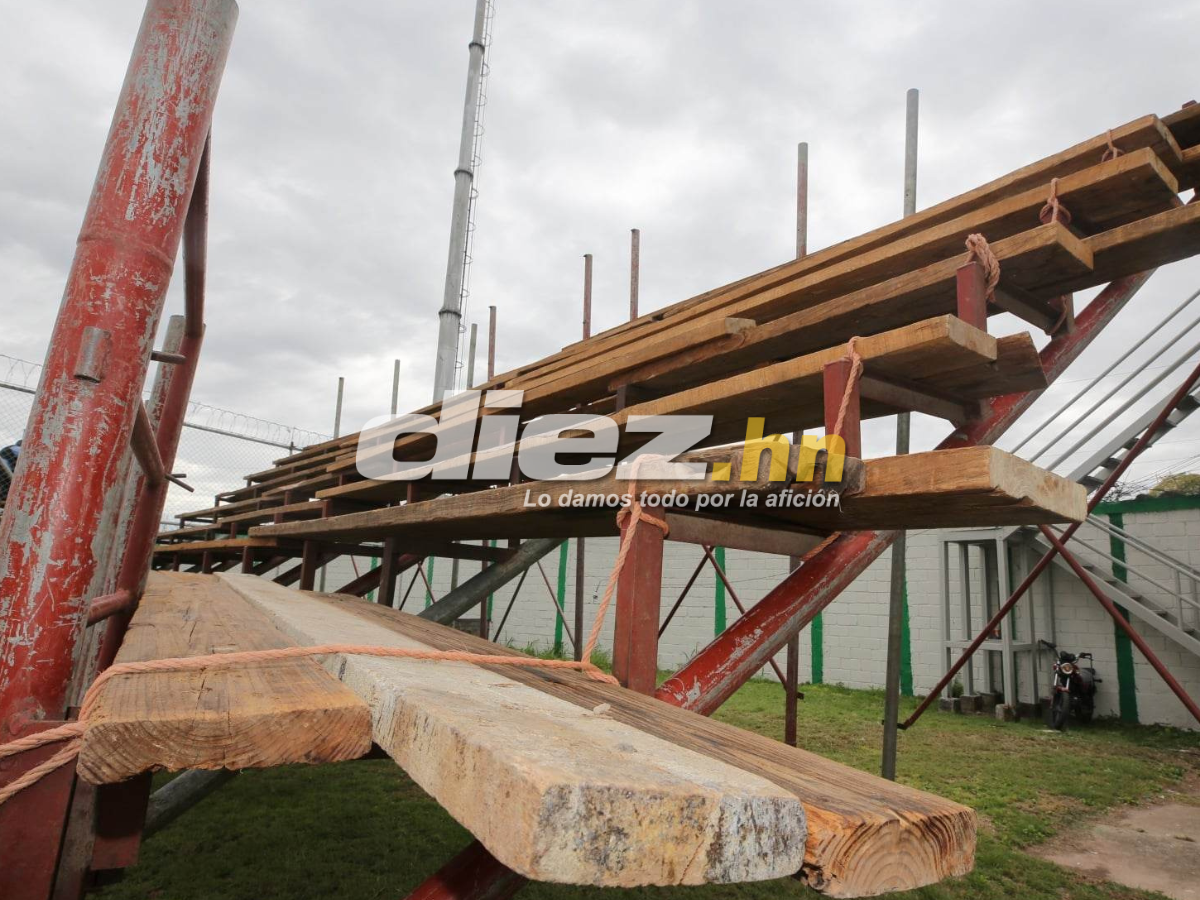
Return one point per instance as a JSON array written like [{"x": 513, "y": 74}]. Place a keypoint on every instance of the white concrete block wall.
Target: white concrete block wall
[{"x": 855, "y": 625}]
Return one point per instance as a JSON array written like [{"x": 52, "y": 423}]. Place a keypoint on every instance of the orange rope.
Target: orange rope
[
  {"x": 40, "y": 771},
  {"x": 1113, "y": 150},
  {"x": 978, "y": 250},
  {"x": 74, "y": 731},
  {"x": 1054, "y": 211},
  {"x": 856, "y": 370}
]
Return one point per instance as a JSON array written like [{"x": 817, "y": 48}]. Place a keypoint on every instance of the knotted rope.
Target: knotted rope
[
  {"x": 73, "y": 731},
  {"x": 978, "y": 250},
  {"x": 1113, "y": 150},
  {"x": 1054, "y": 211}
]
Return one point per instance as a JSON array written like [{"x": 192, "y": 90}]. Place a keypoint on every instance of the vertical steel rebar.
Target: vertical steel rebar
[
  {"x": 580, "y": 543},
  {"x": 635, "y": 270},
  {"x": 896, "y": 594}
]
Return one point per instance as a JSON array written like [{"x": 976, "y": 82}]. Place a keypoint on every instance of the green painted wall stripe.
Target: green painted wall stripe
[
  {"x": 374, "y": 566},
  {"x": 429, "y": 577},
  {"x": 1126, "y": 675},
  {"x": 906, "y": 672},
  {"x": 1148, "y": 504},
  {"x": 562, "y": 594},
  {"x": 816, "y": 632},
  {"x": 719, "y": 596}
]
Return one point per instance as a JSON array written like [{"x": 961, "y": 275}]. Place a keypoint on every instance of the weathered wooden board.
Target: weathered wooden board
[
  {"x": 251, "y": 716},
  {"x": 555, "y": 791},
  {"x": 866, "y": 836},
  {"x": 983, "y": 486}
]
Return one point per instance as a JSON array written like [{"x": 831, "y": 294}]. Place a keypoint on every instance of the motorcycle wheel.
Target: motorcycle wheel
[
  {"x": 1085, "y": 711},
  {"x": 1060, "y": 710}
]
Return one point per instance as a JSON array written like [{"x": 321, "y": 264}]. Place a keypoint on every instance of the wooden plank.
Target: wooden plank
[
  {"x": 1027, "y": 259},
  {"x": 555, "y": 791},
  {"x": 866, "y": 836},
  {"x": 251, "y": 716},
  {"x": 965, "y": 487},
  {"x": 214, "y": 512},
  {"x": 790, "y": 394},
  {"x": 219, "y": 544},
  {"x": 1190, "y": 175},
  {"x": 782, "y": 541},
  {"x": 1138, "y": 247},
  {"x": 178, "y": 534}
]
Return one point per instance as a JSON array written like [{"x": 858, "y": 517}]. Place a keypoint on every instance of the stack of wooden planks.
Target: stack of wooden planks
[
  {"x": 562, "y": 778},
  {"x": 759, "y": 345}
]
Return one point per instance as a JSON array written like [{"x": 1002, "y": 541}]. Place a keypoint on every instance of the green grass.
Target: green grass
[{"x": 363, "y": 831}]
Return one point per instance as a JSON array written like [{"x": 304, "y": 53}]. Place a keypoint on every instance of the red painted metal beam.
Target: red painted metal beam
[
  {"x": 33, "y": 822},
  {"x": 474, "y": 874},
  {"x": 63, "y": 507},
  {"x": 742, "y": 649}
]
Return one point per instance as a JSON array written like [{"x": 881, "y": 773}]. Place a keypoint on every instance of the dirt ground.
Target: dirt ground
[{"x": 1154, "y": 847}]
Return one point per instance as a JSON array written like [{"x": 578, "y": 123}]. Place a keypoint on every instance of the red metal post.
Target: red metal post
[
  {"x": 152, "y": 498},
  {"x": 791, "y": 692},
  {"x": 731, "y": 659},
  {"x": 639, "y": 604},
  {"x": 971, "y": 281},
  {"x": 474, "y": 874},
  {"x": 64, "y": 504},
  {"x": 310, "y": 561},
  {"x": 837, "y": 378}
]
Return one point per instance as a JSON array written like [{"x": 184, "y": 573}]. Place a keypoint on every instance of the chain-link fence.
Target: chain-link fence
[{"x": 216, "y": 450}]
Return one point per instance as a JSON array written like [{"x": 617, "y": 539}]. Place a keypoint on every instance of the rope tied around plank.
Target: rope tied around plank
[
  {"x": 73, "y": 732},
  {"x": 1054, "y": 211},
  {"x": 980, "y": 251},
  {"x": 1113, "y": 150}
]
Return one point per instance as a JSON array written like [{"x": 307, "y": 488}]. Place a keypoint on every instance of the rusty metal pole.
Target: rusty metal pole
[
  {"x": 63, "y": 506},
  {"x": 139, "y": 548},
  {"x": 718, "y": 670},
  {"x": 898, "y": 588},
  {"x": 580, "y": 544}
]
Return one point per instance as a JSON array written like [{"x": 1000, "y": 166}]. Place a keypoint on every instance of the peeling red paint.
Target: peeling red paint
[{"x": 57, "y": 534}]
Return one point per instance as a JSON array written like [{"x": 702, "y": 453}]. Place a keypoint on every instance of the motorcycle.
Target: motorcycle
[{"x": 1074, "y": 687}]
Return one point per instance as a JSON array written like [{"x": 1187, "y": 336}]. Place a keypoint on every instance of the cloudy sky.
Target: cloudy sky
[{"x": 337, "y": 127}]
